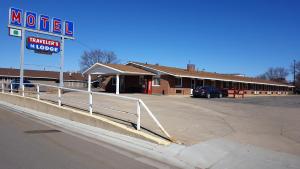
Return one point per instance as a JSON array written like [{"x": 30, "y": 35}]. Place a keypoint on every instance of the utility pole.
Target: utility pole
[{"x": 294, "y": 72}]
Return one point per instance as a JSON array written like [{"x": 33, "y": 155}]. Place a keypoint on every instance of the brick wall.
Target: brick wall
[
  {"x": 167, "y": 86},
  {"x": 164, "y": 85}
]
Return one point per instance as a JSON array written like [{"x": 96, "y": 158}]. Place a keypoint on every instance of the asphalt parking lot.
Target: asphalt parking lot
[
  {"x": 268, "y": 122},
  {"x": 277, "y": 101}
]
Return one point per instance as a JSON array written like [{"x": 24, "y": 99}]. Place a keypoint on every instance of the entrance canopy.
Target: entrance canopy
[{"x": 113, "y": 70}]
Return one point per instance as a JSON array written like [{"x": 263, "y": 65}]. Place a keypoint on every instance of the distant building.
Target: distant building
[{"x": 71, "y": 79}]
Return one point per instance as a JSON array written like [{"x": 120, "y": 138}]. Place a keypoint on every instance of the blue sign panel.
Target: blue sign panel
[
  {"x": 69, "y": 28},
  {"x": 15, "y": 17},
  {"x": 31, "y": 20},
  {"x": 43, "y": 48},
  {"x": 44, "y": 23},
  {"x": 56, "y": 26}
]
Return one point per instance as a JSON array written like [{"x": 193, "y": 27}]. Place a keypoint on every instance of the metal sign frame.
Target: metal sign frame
[{"x": 23, "y": 29}]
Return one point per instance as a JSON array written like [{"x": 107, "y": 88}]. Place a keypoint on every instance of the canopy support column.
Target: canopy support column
[
  {"x": 117, "y": 84},
  {"x": 89, "y": 82}
]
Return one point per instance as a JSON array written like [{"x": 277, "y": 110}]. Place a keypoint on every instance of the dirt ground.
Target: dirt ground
[{"x": 269, "y": 122}]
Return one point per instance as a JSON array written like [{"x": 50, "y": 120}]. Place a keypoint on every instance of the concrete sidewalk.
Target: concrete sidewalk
[{"x": 223, "y": 153}]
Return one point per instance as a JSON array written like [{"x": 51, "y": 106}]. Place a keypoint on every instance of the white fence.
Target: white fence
[{"x": 55, "y": 94}]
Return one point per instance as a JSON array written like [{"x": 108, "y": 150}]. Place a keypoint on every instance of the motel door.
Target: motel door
[{"x": 148, "y": 85}]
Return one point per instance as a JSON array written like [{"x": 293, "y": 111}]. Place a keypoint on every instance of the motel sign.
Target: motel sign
[
  {"x": 42, "y": 45},
  {"x": 20, "y": 21},
  {"x": 42, "y": 22}
]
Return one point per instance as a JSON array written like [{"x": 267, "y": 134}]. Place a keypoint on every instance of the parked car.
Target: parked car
[
  {"x": 207, "y": 91},
  {"x": 16, "y": 84}
]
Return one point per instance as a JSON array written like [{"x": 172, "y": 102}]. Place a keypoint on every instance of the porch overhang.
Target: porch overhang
[{"x": 114, "y": 70}]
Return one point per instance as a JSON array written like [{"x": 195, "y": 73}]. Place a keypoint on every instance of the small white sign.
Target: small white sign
[{"x": 15, "y": 32}]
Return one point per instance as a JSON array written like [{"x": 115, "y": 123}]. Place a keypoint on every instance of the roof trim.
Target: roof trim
[
  {"x": 138, "y": 73},
  {"x": 103, "y": 66},
  {"x": 151, "y": 68}
]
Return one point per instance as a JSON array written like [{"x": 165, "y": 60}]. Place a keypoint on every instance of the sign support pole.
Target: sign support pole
[
  {"x": 61, "y": 73},
  {"x": 22, "y": 58}
]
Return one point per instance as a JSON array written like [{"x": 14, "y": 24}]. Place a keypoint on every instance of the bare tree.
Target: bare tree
[
  {"x": 262, "y": 76},
  {"x": 89, "y": 58},
  {"x": 278, "y": 74},
  {"x": 297, "y": 74}
]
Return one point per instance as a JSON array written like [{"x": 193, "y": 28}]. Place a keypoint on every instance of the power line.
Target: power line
[{"x": 83, "y": 44}]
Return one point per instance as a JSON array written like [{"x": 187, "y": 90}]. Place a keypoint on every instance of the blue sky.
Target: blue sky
[{"x": 226, "y": 36}]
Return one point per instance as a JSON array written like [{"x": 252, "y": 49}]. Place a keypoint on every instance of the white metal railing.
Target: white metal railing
[{"x": 139, "y": 102}]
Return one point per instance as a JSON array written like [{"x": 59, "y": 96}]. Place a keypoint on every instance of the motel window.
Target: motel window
[
  {"x": 156, "y": 81},
  {"x": 178, "y": 82},
  {"x": 113, "y": 81}
]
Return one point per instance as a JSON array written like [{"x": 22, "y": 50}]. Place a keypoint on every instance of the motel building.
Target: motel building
[{"x": 135, "y": 77}]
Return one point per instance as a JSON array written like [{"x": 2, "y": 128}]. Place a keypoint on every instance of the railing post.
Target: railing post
[
  {"x": 38, "y": 91},
  {"x": 59, "y": 96},
  {"x": 138, "y": 112},
  {"x": 155, "y": 120},
  {"x": 23, "y": 90},
  {"x": 2, "y": 86},
  {"x": 91, "y": 103},
  {"x": 11, "y": 89}
]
